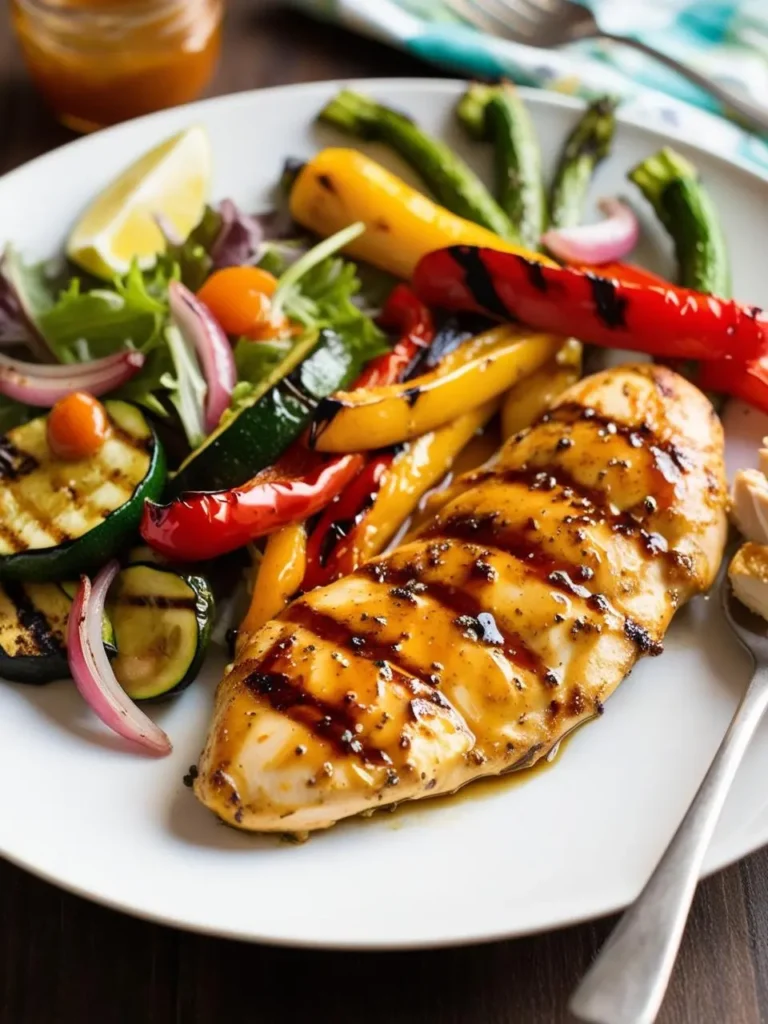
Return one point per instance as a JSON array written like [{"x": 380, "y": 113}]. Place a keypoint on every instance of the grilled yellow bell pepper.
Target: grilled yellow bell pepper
[
  {"x": 279, "y": 577},
  {"x": 522, "y": 406},
  {"x": 481, "y": 369},
  {"x": 413, "y": 472},
  {"x": 529, "y": 399},
  {"x": 340, "y": 186}
]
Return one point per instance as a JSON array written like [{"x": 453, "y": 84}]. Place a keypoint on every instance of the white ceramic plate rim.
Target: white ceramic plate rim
[{"x": 727, "y": 852}]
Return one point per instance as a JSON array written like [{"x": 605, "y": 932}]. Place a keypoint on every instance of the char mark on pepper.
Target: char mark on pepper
[
  {"x": 610, "y": 306},
  {"x": 327, "y": 409},
  {"x": 479, "y": 280},
  {"x": 535, "y": 272}
]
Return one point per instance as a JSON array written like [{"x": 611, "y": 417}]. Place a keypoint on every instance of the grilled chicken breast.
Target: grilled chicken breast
[{"x": 475, "y": 648}]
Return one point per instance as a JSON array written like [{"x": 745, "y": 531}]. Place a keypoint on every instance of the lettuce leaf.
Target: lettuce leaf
[
  {"x": 85, "y": 325},
  {"x": 186, "y": 386},
  {"x": 256, "y": 360},
  {"x": 190, "y": 261}
]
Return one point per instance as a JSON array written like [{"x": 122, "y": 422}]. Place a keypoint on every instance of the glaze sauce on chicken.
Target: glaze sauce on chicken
[{"x": 505, "y": 623}]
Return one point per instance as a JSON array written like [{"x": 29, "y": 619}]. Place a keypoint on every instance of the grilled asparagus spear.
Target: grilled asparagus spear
[
  {"x": 495, "y": 113},
  {"x": 671, "y": 185},
  {"x": 586, "y": 146}
]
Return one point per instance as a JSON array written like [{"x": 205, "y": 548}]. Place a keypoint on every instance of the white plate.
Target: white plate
[{"x": 571, "y": 842}]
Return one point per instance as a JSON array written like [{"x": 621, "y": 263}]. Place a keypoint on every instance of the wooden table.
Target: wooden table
[{"x": 63, "y": 959}]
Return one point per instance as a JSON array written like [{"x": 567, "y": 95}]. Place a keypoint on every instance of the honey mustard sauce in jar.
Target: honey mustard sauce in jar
[{"x": 98, "y": 62}]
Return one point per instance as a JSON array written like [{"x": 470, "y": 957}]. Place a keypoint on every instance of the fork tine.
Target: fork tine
[
  {"x": 498, "y": 18},
  {"x": 469, "y": 12},
  {"x": 507, "y": 10},
  {"x": 512, "y": 22}
]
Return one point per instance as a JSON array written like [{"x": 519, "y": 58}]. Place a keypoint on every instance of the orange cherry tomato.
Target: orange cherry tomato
[
  {"x": 238, "y": 297},
  {"x": 78, "y": 426}
]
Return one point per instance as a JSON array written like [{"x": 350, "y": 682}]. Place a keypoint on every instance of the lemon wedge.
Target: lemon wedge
[{"x": 171, "y": 181}]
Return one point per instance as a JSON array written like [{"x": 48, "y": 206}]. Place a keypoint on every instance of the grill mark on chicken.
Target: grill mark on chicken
[
  {"x": 288, "y": 696},
  {"x": 637, "y": 436},
  {"x": 407, "y": 582},
  {"x": 591, "y": 505},
  {"x": 470, "y": 618},
  {"x": 490, "y": 531},
  {"x": 360, "y": 643}
]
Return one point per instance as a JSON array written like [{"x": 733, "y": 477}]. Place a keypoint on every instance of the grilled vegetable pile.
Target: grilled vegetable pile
[{"x": 277, "y": 399}]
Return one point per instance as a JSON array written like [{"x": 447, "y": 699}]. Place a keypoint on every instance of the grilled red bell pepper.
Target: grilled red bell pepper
[
  {"x": 203, "y": 524},
  {"x": 747, "y": 381},
  {"x": 405, "y": 313},
  {"x": 338, "y": 519},
  {"x": 660, "y": 320}
]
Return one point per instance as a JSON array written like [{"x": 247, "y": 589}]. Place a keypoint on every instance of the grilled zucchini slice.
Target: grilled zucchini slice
[
  {"x": 162, "y": 621},
  {"x": 59, "y": 519},
  {"x": 33, "y": 631}
]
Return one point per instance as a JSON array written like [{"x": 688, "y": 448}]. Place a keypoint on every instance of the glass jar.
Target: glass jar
[{"x": 98, "y": 62}]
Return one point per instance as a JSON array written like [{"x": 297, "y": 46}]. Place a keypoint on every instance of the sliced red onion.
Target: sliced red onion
[
  {"x": 44, "y": 384},
  {"x": 200, "y": 329},
  {"x": 609, "y": 240},
  {"x": 92, "y": 672}
]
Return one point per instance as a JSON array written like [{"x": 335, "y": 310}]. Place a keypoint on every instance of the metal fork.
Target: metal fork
[
  {"x": 549, "y": 23},
  {"x": 627, "y": 981}
]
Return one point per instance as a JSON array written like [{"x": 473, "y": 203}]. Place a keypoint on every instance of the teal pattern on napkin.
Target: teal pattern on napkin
[{"x": 725, "y": 39}]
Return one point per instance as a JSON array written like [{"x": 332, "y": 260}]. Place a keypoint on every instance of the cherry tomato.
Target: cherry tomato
[
  {"x": 239, "y": 299},
  {"x": 77, "y": 426}
]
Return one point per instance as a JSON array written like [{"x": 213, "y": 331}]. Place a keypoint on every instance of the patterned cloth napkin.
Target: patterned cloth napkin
[{"x": 725, "y": 39}]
